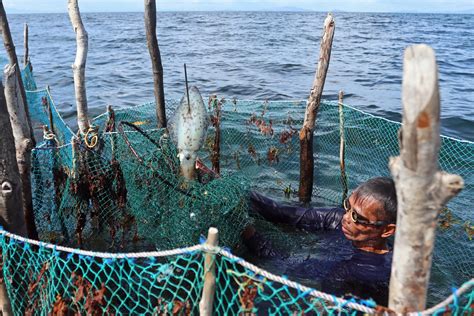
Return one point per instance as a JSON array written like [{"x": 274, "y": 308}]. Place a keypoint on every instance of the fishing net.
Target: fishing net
[{"x": 117, "y": 189}]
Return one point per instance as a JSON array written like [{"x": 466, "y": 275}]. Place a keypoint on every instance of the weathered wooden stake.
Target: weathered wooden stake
[
  {"x": 50, "y": 113},
  {"x": 79, "y": 66},
  {"x": 23, "y": 143},
  {"x": 208, "y": 292},
  {"x": 11, "y": 203},
  {"x": 216, "y": 146},
  {"x": 13, "y": 60},
  {"x": 150, "y": 26},
  {"x": 342, "y": 147},
  {"x": 422, "y": 190},
  {"x": 26, "y": 57},
  {"x": 306, "y": 132}
]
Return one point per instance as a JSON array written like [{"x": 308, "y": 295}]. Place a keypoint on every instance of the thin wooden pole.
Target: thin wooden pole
[
  {"x": 422, "y": 190},
  {"x": 11, "y": 203},
  {"x": 208, "y": 292},
  {"x": 216, "y": 104},
  {"x": 306, "y": 132},
  {"x": 50, "y": 113},
  {"x": 25, "y": 37},
  {"x": 79, "y": 66},
  {"x": 150, "y": 26},
  {"x": 13, "y": 60},
  {"x": 342, "y": 147},
  {"x": 23, "y": 143}
]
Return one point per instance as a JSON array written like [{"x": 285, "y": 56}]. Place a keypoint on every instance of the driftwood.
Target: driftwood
[
  {"x": 13, "y": 60},
  {"x": 150, "y": 26},
  {"x": 11, "y": 203},
  {"x": 79, "y": 66},
  {"x": 422, "y": 190},
  {"x": 25, "y": 37},
  {"x": 306, "y": 132},
  {"x": 23, "y": 143},
  {"x": 209, "y": 289}
]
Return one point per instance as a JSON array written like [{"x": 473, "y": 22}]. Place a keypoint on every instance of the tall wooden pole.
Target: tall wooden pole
[
  {"x": 11, "y": 204},
  {"x": 23, "y": 143},
  {"x": 306, "y": 132},
  {"x": 79, "y": 66},
  {"x": 13, "y": 61},
  {"x": 150, "y": 26},
  {"x": 342, "y": 147},
  {"x": 25, "y": 37},
  {"x": 422, "y": 190},
  {"x": 209, "y": 290}
]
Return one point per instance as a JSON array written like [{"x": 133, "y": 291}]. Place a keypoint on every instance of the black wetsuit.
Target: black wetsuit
[{"x": 351, "y": 272}]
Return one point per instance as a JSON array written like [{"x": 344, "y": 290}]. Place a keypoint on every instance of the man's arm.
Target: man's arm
[{"x": 310, "y": 219}]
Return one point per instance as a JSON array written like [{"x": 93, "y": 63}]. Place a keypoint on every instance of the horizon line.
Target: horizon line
[{"x": 468, "y": 12}]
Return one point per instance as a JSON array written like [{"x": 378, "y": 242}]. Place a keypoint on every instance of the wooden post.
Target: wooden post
[
  {"x": 422, "y": 190},
  {"x": 342, "y": 147},
  {"x": 79, "y": 66},
  {"x": 50, "y": 113},
  {"x": 13, "y": 60},
  {"x": 23, "y": 143},
  {"x": 150, "y": 26},
  {"x": 11, "y": 203},
  {"x": 208, "y": 292},
  {"x": 26, "y": 57},
  {"x": 216, "y": 122},
  {"x": 306, "y": 132}
]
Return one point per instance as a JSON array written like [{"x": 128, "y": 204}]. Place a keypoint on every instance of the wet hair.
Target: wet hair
[{"x": 381, "y": 189}]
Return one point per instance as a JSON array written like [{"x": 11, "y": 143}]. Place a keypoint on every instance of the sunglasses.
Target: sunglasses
[{"x": 359, "y": 219}]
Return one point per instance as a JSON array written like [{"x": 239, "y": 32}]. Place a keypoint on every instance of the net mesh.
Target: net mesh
[{"x": 116, "y": 189}]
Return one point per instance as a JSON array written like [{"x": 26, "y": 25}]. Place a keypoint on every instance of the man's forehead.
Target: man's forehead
[{"x": 366, "y": 206}]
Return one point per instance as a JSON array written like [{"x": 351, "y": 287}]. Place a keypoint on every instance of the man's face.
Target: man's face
[{"x": 366, "y": 211}]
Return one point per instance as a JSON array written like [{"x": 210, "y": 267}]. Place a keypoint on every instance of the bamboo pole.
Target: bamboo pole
[
  {"x": 13, "y": 60},
  {"x": 23, "y": 143},
  {"x": 422, "y": 190},
  {"x": 11, "y": 203},
  {"x": 306, "y": 132},
  {"x": 208, "y": 292},
  {"x": 342, "y": 147},
  {"x": 25, "y": 37},
  {"x": 150, "y": 26},
  {"x": 79, "y": 66}
]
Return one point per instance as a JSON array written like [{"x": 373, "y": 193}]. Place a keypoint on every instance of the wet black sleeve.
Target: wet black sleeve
[{"x": 310, "y": 219}]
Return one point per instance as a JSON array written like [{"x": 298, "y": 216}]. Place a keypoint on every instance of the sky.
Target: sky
[{"x": 425, "y": 6}]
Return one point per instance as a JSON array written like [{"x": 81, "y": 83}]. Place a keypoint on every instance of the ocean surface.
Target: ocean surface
[{"x": 254, "y": 55}]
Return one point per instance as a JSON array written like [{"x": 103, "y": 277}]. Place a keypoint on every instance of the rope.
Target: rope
[
  {"x": 94, "y": 137},
  {"x": 437, "y": 308},
  {"x": 104, "y": 255},
  {"x": 302, "y": 288}
]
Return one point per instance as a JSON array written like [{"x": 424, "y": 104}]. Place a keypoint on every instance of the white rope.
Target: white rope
[
  {"x": 466, "y": 286},
  {"x": 105, "y": 255},
  {"x": 310, "y": 291},
  {"x": 53, "y": 106}
]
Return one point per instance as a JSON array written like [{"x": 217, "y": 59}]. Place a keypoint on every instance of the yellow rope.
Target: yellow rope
[{"x": 94, "y": 137}]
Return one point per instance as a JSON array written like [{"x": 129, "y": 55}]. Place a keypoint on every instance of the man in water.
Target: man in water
[{"x": 367, "y": 221}]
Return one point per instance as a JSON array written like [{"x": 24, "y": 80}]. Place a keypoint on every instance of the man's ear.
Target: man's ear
[{"x": 388, "y": 231}]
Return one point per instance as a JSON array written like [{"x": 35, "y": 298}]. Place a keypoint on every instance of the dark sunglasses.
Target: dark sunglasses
[{"x": 359, "y": 219}]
